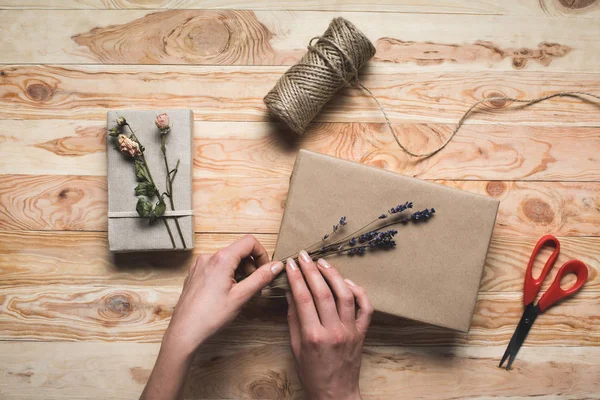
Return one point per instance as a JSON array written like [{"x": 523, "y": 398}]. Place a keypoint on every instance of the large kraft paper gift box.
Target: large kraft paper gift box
[
  {"x": 434, "y": 273},
  {"x": 126, "y": 230}
]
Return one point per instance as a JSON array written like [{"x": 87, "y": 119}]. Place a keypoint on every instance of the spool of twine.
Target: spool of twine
[
  {"x": 329, "y": 65},
  {"x": 332, "y": 63}
]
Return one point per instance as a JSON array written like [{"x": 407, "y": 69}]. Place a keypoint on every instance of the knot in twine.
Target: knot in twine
[{"x": 333, "y": 63}]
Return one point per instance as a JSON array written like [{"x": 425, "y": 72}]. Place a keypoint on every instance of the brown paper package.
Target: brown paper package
[
  {"x": 126, "y": 234},
  {"x": 434, "y": 273}
]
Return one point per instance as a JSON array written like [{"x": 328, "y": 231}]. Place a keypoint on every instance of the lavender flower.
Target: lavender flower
[
  {"x": 401, "y": 207},
  {"x": 420, "y": 215},
  {"x": 357, "y": 251},
  {"x": 343, "y": 221}
]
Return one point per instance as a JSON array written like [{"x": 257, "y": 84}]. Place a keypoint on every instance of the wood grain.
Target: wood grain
[
  {"x": 38, "y": 258},
  {"x": 490, "y": 152},
  {"x": 141, "y": 314},
  {"x": 588, "y": 8},
  {"x": 237, "y": 37},
  {"x": 55, "y": 202},
  {"x": 230, "y": 93},
  {"x": 94, "y": 371},
  {"x": 268, "y": 372},
  {"x": 526, "y": 208}
]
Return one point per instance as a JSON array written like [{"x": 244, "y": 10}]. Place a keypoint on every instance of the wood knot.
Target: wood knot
[
  {"x": 538, "y": 211},
  {"x": 272, "y": 386},
  {"x": 140, "y": 375},
  {"x": 495, "y": 188},
  {"x": 2, "y": 73},
  {"x": 497, "y": 103},
  {"x": 576, "y": 4},
  {"x": 69, "y": 195},
  {"x": 39, "y": 91},
  {"x": 117, "y": 306},
  {"x": 208, "y": 38}
]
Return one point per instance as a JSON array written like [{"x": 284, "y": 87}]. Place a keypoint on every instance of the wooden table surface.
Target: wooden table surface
[{"x": 78, "y": 322}]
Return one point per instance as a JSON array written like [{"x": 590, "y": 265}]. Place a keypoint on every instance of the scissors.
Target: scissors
[{"x": 553, "y": 294}]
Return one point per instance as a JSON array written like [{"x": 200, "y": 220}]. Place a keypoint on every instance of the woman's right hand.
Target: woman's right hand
[{"x": 326, "y": 331}]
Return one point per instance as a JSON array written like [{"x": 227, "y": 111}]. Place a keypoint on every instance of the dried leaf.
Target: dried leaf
[
  {"x": 160, "y": 208},
  {"x": 145, "y": 189},
  {"x": 144, "y": 207},
  {"x": 140, "y": 171}
]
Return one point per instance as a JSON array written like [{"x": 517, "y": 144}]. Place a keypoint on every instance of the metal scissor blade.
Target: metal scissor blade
[
  {"x": 508, "y": 349},
  {"x": 525, "y": 324}
]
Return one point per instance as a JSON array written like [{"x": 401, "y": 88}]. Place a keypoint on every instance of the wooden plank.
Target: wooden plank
[
  {"x": 526, "y": 208},
  {"x": 38, "y": 258},
  {"x": 120, "y": 370},
  {"x": 490, "y": 152},
  {"x": 238, "y": 204},
  {"x": 233, "y": 93},
  {"x": 234, "y": 37},
  {"x": 141, "y": 314},
  {"x": 587, "y": 8}
]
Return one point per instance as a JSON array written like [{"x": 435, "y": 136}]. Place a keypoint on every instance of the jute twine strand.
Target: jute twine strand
[{"x": 333, "y": 63}]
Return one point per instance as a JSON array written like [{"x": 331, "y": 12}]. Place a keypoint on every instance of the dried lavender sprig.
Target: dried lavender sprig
[
  {"x": 343, "y": 221},
  {"x": 381, "y": 239},
  {"x": 418, "y": 215}
]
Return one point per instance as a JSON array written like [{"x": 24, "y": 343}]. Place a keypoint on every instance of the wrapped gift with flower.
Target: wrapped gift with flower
[{"x": 150, "y": 194}]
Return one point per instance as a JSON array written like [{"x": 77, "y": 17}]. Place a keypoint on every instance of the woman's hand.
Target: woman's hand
[
  {"x": 211, "y": 298},
  {"x": 326, "y": 332}
]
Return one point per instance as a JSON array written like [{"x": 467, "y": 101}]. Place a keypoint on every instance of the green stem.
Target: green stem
[
  {"x": 170, "y": 234},
  {"x": 163, "y": 148},
  {"x": 147, "y": 167}
]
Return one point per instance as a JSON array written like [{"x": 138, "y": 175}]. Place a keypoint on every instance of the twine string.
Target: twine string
[
  {"x": 354, "y": 82},
  {"x": 332, "y": 62}
]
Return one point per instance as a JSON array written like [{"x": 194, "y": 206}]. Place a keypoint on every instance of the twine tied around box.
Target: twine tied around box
[{"x": 332, "y": 63}]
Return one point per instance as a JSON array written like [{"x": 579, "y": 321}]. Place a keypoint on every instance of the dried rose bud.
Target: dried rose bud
[
  {"x": 121, "y": 121},
  {"x": 162, "y": 122},
  {"x": 128, "y": 146}
]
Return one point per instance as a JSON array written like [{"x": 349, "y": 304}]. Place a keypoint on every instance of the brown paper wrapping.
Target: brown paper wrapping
[
  {"x": 134, "y": 233},
  {"x": 434, "y": 273}
]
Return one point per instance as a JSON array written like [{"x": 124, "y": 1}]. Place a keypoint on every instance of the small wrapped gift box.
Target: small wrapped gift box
[
  {"x": 127, "y": 231},
  {"x": 434, "y": 272}
]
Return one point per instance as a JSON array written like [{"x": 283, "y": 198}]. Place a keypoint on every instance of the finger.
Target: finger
[
  {"x": 245, "y": 268},
  {"x": 243, "y": 291},
  {"x": 365, "y": 309},
  {"x": 343, "y": 294},
  {"x": 245, "y": 247},
  {"x": 322, "y": 295},
  {"x": 294, "y": 323},
  {"x": 307, "y": 313}
]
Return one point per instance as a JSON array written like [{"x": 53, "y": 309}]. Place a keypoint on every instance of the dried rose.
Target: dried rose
[
  {"x": 121, "y": 121},
  {"x": 128, "y": 146},
  {"x": 162, "y": 122}
]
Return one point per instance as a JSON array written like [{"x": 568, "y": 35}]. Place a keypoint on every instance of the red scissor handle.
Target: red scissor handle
[
  {"x": 532, "y": 286},
  {"x": 555, "y": 292}
]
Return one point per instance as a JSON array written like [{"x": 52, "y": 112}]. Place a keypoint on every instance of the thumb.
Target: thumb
[{"x": 256, "y": 281}]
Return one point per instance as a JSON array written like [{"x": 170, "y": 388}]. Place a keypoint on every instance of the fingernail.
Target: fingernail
[
  {"x": 292, "y": 264},
  {"x": 350, "y": 282},
  {"x": 323, "y": 263},
  {"x": 288, "y": 297},
  {"x": 304, "y": 255},
  {"x": 277, "y": 268}
]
